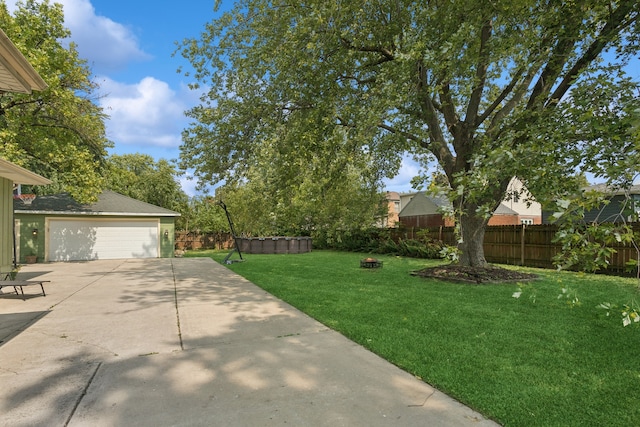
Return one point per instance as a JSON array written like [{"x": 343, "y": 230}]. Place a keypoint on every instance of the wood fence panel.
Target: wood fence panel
[
  {"x": 502, "y": 244},
  {"x": 526, "y": 245},
  {"x": 186, "y": 240},
  {"x": 539, "y": 248}
]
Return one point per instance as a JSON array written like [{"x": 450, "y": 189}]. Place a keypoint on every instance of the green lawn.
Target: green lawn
[{"x": 531, "y": 361}]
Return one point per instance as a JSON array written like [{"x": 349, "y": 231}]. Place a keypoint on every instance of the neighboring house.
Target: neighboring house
[
  {"x": 393, "y": 209},
  {"x": 504, "y": 215},
  {"x": 422, "y": 210},
  {"x": 529, "y": 211},
  {"x": 16, "y": 75},
  {"x": 425, "y": 211},
  {"x": 405, "y": 198},
  {"x": 57, "y": 228},
  {"x": 621, "y": 203}
]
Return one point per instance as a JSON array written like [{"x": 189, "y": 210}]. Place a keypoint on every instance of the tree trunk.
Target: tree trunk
[{"x": 472, "y": 229}]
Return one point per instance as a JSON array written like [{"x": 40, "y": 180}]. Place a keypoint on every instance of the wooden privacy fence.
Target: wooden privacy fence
[
  {"x": 526, "y": 245},
  {"x": 186, "y": 240}
]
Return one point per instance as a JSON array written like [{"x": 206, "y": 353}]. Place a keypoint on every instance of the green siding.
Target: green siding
[
  {"x": 6, "y": 225},
  {"x": 30, "y": 243},
  {"x": 168, "y": 243}
]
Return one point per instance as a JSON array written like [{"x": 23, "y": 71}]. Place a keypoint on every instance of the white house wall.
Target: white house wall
[
  {"x": 6, "y": 225},
  {"x": 534, "y": 209}
]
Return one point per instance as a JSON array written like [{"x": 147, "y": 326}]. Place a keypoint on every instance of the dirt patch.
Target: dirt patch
[{"x": 458, "y": 273}]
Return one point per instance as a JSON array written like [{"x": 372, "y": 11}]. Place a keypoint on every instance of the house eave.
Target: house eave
[
  {"x": 111, "y": 214},
  {"x": 16, "y": 73},
  {"x": 20, "y": 175}
]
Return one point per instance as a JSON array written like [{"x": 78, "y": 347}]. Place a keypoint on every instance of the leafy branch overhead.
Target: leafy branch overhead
[
  {"x": 490, "y": 90},
  {"x": 59, "y": 132}
]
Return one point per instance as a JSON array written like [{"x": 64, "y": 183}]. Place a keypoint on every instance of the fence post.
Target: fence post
[{"x": 522, "y": 245}]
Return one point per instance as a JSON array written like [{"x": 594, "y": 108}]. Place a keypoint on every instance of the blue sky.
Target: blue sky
[{"x": 129, "y": 46}]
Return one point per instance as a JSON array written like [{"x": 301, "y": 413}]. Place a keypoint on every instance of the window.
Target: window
[{"x": 526, "y": 221}]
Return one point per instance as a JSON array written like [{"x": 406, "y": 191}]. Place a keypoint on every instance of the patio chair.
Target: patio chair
[{"x": 20, "y": 284}]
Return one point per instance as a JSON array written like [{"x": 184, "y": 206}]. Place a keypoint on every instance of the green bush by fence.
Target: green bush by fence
[{"x": 380, "y": 241}]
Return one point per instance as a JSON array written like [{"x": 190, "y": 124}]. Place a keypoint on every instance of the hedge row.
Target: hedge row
[{"x": 379, "y": 241}]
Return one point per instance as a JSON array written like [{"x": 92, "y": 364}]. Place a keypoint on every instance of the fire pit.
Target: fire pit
[{"x": 370, "y": 263}]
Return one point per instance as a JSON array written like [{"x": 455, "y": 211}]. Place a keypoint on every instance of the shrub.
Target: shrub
[{"x": 379, "y": 241}]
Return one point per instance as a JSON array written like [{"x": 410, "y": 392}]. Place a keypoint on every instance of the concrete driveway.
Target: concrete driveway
[{"x": 186, "y": 342}]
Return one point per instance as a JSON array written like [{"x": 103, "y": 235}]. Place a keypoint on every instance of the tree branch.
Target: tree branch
[
  {"x": 506, "y": 91},
  {"x": 438, "y": 145},
  {"x": 358, "y": 80},
  {"x": 614, "y": 26},
  {"x": 515, "y": 99},
  {"x": 386, "y": 53},
  {"x": 13, "y": 103},
  {"x": 403, "y": 133},
  {"x": 481, "y": 75},
  {"x": 557, "y": 60},
  {"x": 448, "y": 109}
]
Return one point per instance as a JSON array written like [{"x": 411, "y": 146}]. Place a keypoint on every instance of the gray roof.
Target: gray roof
[
  {"x": 604, "y": 188},
  {"x": 109, "y": 203},
  {"x": 423, "y": 204},
  {"x": 503, "y": 209}
]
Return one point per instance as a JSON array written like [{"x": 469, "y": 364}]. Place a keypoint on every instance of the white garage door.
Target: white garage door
[{"x": 76, "y": 240}]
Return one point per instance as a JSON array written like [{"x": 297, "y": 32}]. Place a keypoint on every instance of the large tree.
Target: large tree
[
  {"x": 59, "y": 132},
  {"x": 304, "y": 197},
  {"x": 490, "y": 89},
  {"x": 140, "y": 177}
]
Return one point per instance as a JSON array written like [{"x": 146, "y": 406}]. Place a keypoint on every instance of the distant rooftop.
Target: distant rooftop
[{"x": 604, "y": 188}]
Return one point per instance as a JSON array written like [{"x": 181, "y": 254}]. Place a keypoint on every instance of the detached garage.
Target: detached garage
[{"x": 56, "y": 228}]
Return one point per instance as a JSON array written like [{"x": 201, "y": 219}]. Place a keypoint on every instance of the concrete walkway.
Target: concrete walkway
[{"x": 186, "y": 342}]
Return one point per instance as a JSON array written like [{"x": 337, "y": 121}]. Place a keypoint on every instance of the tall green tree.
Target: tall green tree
[
  {"x": 204, "y": 214},
  {"x": 305, "y": 202},
  {"x": 287, "y": 192},
  {"x": 59, "y": 132},
  {"x": 140, "y": 177},
  {"x": 491, "y": 90}
]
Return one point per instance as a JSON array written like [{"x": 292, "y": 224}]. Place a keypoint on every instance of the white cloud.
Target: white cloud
[
  {"x": 402, "y": 181},
  {"x": 105, "y": 44},
  {"x": 147, "y": 113},
  {"x": 188, "y": 186}
]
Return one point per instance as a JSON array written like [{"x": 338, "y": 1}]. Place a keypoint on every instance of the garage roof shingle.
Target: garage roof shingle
[{"x": 109, "y": 203}]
